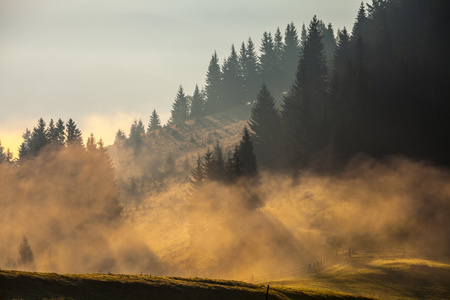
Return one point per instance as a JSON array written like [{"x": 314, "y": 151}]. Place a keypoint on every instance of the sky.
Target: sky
[{"x": 105, "y": 63}]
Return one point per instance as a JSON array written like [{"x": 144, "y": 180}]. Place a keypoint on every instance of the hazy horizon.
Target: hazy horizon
[{"x": 106, "y": 63}]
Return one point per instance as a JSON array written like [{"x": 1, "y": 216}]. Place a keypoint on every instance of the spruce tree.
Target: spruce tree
[
  {"x": 265, "y": 123},
  {"x": 60, "y": 134},
  {"x": 304, "y": 106},
  {"x": 268, "y": 59},
  {"x": 198, "y": 104},
  {"x": 73, "y": 134},
  {"x": 180, "y": 108},
  {"x": 197, "y": 174},
  {"x": 91, "y": 144},
  {"x": 290, "y": 56},
  {"x": 360, "y": 24},
  {"x": 120, "y": 137},
  {"x": 26, "y": 257},
  {"x": 155, "y": 122},
  {"x": 232, "y": 82},
  {"x": 24, "y": 148},
  {"x": 247, "y": 156},
  {"x": 136, "y": 137},
  {"x": 38, "y": 137},
  {"x": 208, "y": 164},
  {"x": 250, "y": 71},
  {"x": 213, "y": 87}
]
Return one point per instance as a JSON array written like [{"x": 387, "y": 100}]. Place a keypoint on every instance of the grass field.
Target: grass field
[
  {"x": 27, "y": 285},
  {"x": 362, "y": 277},
  {"x": 380, "y": 278}
]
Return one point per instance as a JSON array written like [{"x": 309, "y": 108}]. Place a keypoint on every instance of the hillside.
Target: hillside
[{"x": 25, "y": 285}]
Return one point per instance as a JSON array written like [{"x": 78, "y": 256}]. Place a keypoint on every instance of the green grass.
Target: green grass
[
  {"x": 28, "y": 285},
  {"x": 388, "y": 278}
]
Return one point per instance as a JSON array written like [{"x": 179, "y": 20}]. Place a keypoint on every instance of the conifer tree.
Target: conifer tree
[
  {"x": 265, "y": 123},
  {"x": 38, "y": 138},
  {"x": 24, "y": 148},
  {"x": 120, "y": 137},
  {"x": 290, "y": 55},
  {"x": 233, "y": 167},
  {"x": 197, "y": 174},
  {"x": 208, "y": 162},
  {"x": 250, "y": 70},
  {"x": 217, "y": 169},
  {"x": 136, "y": 137},
  {"x": 198, "y": 104},
  {"x": 303, "y": 37},
  {"x": 360, "y": 23},
  {"x": 2, "y": 154},
  {"x": 60, "y": 134},
  {"x": 268, "y": 59},
  {"x": 213, "y": 87},
  {"x": 247, "y": 156},
  {"x": 304, "y": 105},
  {"x": 180, "y": 108},
  {"x": 73, "y": 134},
  {"x": 91, "y": 144},
  {"x": 232, "y": 82},
  {"x": 155, "y": 122},
  {"x": 26, "y": 257}
]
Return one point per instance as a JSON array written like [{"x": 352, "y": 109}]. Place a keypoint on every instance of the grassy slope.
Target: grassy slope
[
  {"x": 381, "y": 278},
  {"x": 26, "y": 285}
]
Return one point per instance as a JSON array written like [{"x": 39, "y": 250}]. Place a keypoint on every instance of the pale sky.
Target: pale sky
[{"x": 105, "y": 63}]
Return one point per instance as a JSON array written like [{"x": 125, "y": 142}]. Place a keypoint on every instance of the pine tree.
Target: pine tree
[
  {"x": 2, "y": 154},
  {"x": 247, "y": 156},
  {"x": 197, "y": 174},
  {"x": 198, "y": 104},
  {"x": 213, "y": 87},
  {"x": 73, "y": 134},
  {"x": 268, "y": 59},
  {"x": 180, "y": 108},
  {"x": 250, "y": 70},
  {"x": 329, "y": 42},
  {"x": 218, "y": 164},
  {"x": 120, "y": 137},
  {"x": 303, "y": 37},
  {"x": 265, "y": 123},
  {"x": 208, "y": 162},
  {"x": 290, "y": 56},
  {"x": 38, "y": 138},
  {"x": 60, "y": 134},
  {"x": 155, "y": 122},
  {"x": 26, "y": 258},
  {"x": 136, "y": 137},
  {"x": 232, "y": 82},
  {"x": 360, "y": 24},
  {"x": 304, "y": 105},
  {"x": 24, "y": 148},
  {"x": 233, "y": 167},
  {"x": 91, "y": 144}
]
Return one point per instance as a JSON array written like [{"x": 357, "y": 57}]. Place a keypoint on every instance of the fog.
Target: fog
[{"x": 63, "y": 203}]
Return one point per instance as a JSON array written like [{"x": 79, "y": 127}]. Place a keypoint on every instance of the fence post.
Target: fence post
[{"x": 267, "y": 293}]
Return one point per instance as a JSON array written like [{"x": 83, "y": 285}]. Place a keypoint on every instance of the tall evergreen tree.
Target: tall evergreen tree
[
  {"x": 290, "y": 55},
  {"x": 360, "y": 23},
  {"x": 213, "y": 87},
  {"x": 232, "y": 82},
  {"x": 198, "y": 104},
  {"x": 180, "y": 108},
  {"x": 197, "y": 174},
  {"x": 250, "y": 70},
  {"x": 120, "y": 137},
  {"x": 247, "y": 156},
  {"x": 268, "y": 59},
  {"x": 91, "y": 144},
  {"x": 136, "y": 137},
  {"x": 26, "y": 257},
  {"x": 155, "y": 122},
  {"x": 304, "y": 105},
  {"x": 73, "y": 134},
  {"x": 24, "y": 148},
  {"x": 38, "y": 137},
  {"x": 265, "y": 123}
]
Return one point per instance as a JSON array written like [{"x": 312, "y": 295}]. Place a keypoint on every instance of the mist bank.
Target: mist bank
[{"x": 66, "y": 205}]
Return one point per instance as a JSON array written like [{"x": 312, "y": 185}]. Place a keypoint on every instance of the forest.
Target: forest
[{"x": 309, "y": 130}]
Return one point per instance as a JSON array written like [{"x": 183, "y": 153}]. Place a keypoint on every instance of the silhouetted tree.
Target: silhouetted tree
[
  {"x": 180, "y": 108},
  {"x": 91, "y": 144},
  {"x": 232, "y": 81},
  {"x": 73, "y": 134},
  {"x": 26, "y": 257},
  {"x": 250, "y": 70},
  {"x": 197, "y": 174},
  {"x": 198, "y": 103},
  {"x": 213, "y": 88},
  {"x": 155, "y": 122},
  {"x": 265, "y": 123},
  {"x": 136, "y": 137},
  {"x": 38, "y": 138},
  {"x": 267, "y": 59},
  {"x": 290, "y": 56},
  {"x": 247, "y": 156},
  {"x": 120, "y": 137}
]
